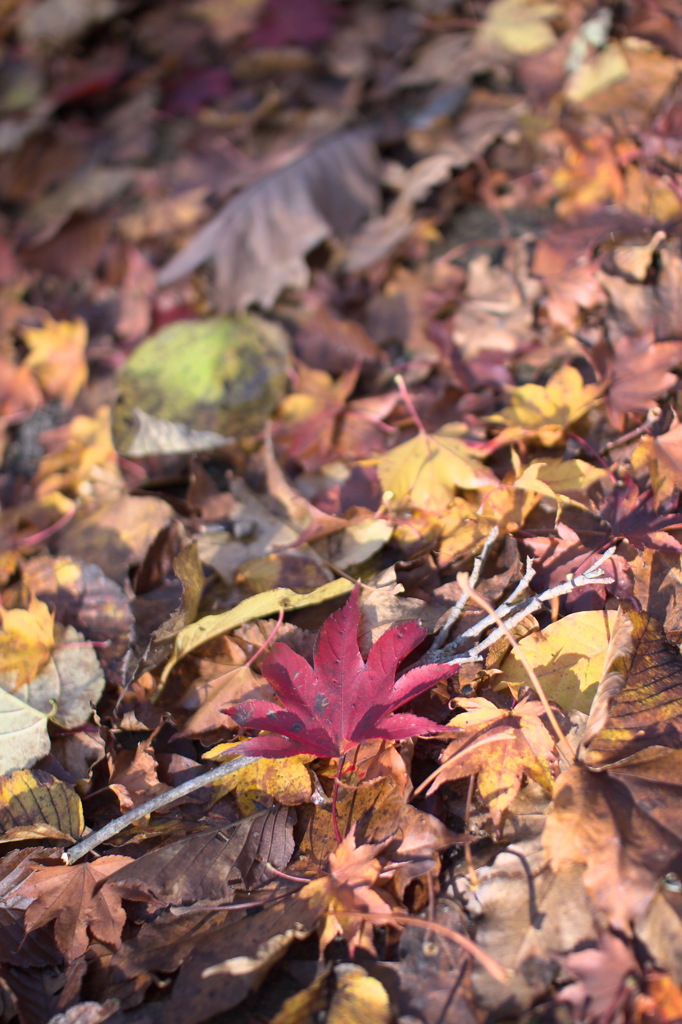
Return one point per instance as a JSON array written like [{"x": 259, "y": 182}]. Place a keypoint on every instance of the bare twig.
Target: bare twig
[
  {"x": 595, "y": 574},
  {"x": 455, "y": 613},
  {"x": 112, "y": 828},
  {"x": 446, "y": 655},
  {"x": 563, "y": 745}
]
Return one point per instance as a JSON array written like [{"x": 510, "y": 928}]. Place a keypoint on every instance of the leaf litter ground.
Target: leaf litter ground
[{"x": 306, "y": 310}]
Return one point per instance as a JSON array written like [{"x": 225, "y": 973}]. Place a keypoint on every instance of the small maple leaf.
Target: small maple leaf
[
  {"x": 630, "y": 513},
  {"x": 344, "y": 700},
  {"x": 347, "y": 892},
  {"x": 499, "y": 747},
  {"x": 545, "y": 412},
  {"x": 81, "y": 902}
]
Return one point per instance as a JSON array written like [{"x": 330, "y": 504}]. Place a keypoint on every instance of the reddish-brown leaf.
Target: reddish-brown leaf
[{"x": 80, "y": 902}]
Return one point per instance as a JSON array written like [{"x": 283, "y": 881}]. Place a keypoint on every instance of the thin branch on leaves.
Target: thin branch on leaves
[{"x": 503, "y": 618}]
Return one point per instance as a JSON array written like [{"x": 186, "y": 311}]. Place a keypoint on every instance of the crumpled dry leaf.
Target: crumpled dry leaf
[
  {"x": 260, "y": 239},
  {"x": 354, "y": 871},
  {"x": 499, "y": 747},
  {"x": 618, "y": 811}
]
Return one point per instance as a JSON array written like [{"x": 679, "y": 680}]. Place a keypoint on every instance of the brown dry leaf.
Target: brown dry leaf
[
  {"x": 427, "y": 967},
  {"x": 661, "y": 456},
  {"x": 208, "y": 865},
  {"x": 80, "y": 902},
  {"x": 640, "y": 372},
  {"x": 19, "y": 395},
  {"x": 116, "y": 535},
  {"x": 221, "y": 957},
  {"x": 260, "y": 240},
  {"x": 84, "y": 597},
  {"x": 56, "y": 355},
  {"x": 601, "y": 974},
  {"x": 570, "y": 278},
  {"x": 138, "y": 289},
  {"x": 228, "y": 21},
  {"x": 500, "y": 747},
  {"x": 135, "y": 776},
  {"x": 354, "y": 871},
  {"x": 497, "y": 312},
  {"x": 618, "y": 811},
  {"x": 526, "y": 916}
]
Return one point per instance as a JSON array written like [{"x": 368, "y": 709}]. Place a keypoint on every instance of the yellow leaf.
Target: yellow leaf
[
  {"x": 546, "y": 412},
  {"x": 604, "y": 69},
  {"x": 358, "y": 998},
  {"x": 287, "y": 780},
  {"x": 26, "y": 641},
  {"x": 565, "y": 481},
  {"x": 80, "y": 456},
  {"x": 57, "y": 357},
  {"x": 427, "y": 470},
  {"x": 499, "y": 747},
  {"x": 568, "y": 657},
  {"x": 520, "y": 27}
]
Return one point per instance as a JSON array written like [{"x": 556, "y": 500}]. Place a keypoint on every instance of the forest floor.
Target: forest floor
[{"x": 341, "y": 453}]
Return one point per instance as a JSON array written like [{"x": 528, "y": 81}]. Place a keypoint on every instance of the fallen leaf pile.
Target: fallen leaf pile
[{"x": 325, "y": 328}]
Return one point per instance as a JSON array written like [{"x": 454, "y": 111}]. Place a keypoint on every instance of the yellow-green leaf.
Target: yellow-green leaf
[
  {"x": 568, "y": 657},
  {"x": 257, "y": 607},
  {"x": 427, "y": 470},
  {"x": 546, "y": 412}
]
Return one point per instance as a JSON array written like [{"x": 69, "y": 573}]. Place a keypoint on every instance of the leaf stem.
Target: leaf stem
[
  {"x": 335, "y": 799},
  {"x": 407, "y": 399},
  {"x": 494, "y": 969}
]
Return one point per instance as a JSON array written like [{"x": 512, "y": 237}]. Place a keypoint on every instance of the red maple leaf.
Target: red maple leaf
[{"x": 343, "y": 700}]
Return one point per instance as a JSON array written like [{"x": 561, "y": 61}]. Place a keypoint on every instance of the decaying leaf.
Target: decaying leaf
[
  {"x": 618, "y": 811},
  {"x": 36, "y": 805},
  {"x": 260, "y": 240},
  {"x": 80, "y": 901}
]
